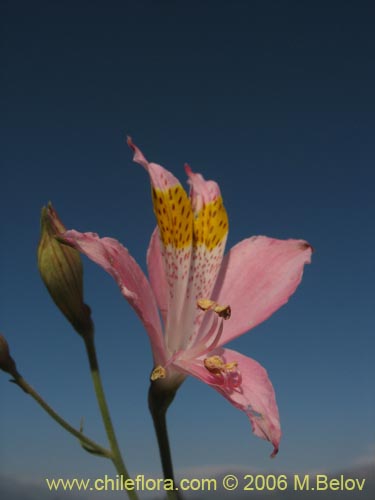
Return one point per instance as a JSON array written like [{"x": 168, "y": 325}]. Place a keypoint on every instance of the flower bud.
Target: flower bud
[
  {"x": 61, "y": 270},
  {"x": 6, "y": 361}
]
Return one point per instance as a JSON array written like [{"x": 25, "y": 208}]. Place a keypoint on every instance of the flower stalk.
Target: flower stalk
[
  {"x": 8, "y": 365},
  {"x": 116, "y": 456},
  {"x": 61, "y": 270},
  {"x": 86, "y": 442},
  {"x": 159, "y": 400}
]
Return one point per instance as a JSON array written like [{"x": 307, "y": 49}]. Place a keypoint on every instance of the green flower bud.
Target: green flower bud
[
  {"x": 6, "y": 361},
  {"x": 61, "y": 270}
]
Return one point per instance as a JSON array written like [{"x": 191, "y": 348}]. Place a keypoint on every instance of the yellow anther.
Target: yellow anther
[
  {"x": 230, "y": 366},
  {"x": 223, "y": 311},
  {"x": 158, "y": 372},
  {"x": 216, "y": 365},
  {"x": 207, "y": 304}
]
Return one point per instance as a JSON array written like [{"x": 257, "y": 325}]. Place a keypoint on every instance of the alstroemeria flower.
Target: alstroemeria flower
[{"x": 196, "y": 300}]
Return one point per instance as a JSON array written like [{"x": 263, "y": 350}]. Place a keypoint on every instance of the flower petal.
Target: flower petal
[
  {"x": 161, "y": 178},
  {"x": 253, "y": 394},
  {"x": 210, "y": 234},
  {"x": 256, "y": 278},
  {"x": 156, "y": 272},
  {"x": 202, "y": 192},
  {"x": 116, "y": 260},
  {"x": 210, "y": 230},
  {"x": 174, "y": 216}
]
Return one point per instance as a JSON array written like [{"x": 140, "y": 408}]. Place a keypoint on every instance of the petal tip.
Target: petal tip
[
  {"x": 275, "y": 451},
  {"x": 138, "y": 155},
  {"x": 304, "y": 245},
  {"x": 188, "y": 170}
]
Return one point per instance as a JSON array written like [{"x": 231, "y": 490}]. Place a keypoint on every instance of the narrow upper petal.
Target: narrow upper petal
[
  {"x": 116, "y": 260},
  {"x": 172, "y": 206},
  {"x": 210, "y": 230},
  {"x": 258, "y": 276},
  {"x": 161, "y": 178},
  {"x": 250, "y": 390},
  {"x": 174, "y": 217},
  {"x": 202, "y": 192},
  {"x": 156, "y": 272},
  {"x": 210, "y": 217}
]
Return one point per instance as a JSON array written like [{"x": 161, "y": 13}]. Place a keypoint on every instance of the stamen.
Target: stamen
[
  {"x": 158, "y": 372},
  {"x": 223, "y": 311},
  {"x": 231, "y": 366},
  {"x": 227, "y": 372},
  {"x": 206, "y": 343},
  {"x": 210, "y": 341},
  {"x": 216, "y": 365},
  {"x": 207, "y": 304}
]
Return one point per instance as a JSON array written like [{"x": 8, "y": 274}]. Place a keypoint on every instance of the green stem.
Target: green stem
[
  {"x": 96, "y": 448},
  {"x": 159, "y": 399},
  {"x": 116, "y": 458}
]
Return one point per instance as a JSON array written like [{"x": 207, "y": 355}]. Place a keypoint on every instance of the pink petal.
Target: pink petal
[
  {"x": 210, "y": 232},
  {"x": 116, "y": 260},
  {"x": 202, "y": 192},
  {"x": 258, "y": 276},
  {"x": 210, "y": 229},
  {"x": 156, "y": 272},
  {"x": 174, "y": 216},
  {"x": 161, "y": 178},
  {"x": 254, "y": 395}
]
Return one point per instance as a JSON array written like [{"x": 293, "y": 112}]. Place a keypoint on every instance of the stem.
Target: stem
[
  {"x": 21, "y": 382},
  {"x": 159, "y": 399},
  {"x": 116, "y": 457}
]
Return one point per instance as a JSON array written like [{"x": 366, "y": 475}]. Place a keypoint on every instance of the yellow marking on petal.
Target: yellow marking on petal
[
  {"x": 216, "y": 365},
  {"x": 158, "y": 372},
  {"x": 211, "y": 224},
  {"x": 174, "y": 215},
  {"x": 207, "y": 304}
]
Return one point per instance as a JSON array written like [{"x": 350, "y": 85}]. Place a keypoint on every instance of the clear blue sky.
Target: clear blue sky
[{"x": 275, "y": 101}]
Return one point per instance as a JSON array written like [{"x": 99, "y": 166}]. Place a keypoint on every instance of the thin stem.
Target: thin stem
[
  {"x": 96, "y": 448},
  {"x": 116, "y": 458},
  {"x": 159, "y": 400}
]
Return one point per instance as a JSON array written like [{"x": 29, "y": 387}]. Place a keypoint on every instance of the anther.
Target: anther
[
  {"x": 216, "y": 365},
  {"x": 158, "y": 372},
  {"x": 207, "y": 304},
  {"x": 228, "y": 374}
]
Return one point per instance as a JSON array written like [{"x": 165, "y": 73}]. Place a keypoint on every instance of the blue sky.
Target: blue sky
[{"x": 274, "y": 100}]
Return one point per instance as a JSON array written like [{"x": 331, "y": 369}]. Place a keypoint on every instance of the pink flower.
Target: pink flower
[{"x": 196, "y": 300}]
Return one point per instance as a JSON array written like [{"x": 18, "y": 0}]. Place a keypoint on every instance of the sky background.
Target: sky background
[{"x": 273, "y": 100}]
